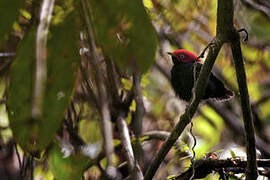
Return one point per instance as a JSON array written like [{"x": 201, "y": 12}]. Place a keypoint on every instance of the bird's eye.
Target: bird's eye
[{"x": 182, "y": 56}]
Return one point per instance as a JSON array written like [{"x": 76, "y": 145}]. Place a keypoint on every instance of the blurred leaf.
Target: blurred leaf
[
  {"x": 256, "y": 23},
  {"x": 215, "y": 118},
  {"x": 9, "y": 12},
  {"x": 25, "y": 14},
  {"x": 36, "y": 135},
  {"x": 209, "y": 132},
  {"x": 67, "y": 168},
  {"x": 20, "y": 90},
  {"x": 232, "y": 154},
  {"x": 127, "y": 83},
  {"x": 124, "y": 31},
  {"x": 89, "y": 130},
  {"x": 43, "y": 173},
  {"x": 171, "y": 177}
]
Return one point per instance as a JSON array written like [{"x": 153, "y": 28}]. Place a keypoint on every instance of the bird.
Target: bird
[{"x": 182, "y": 78}]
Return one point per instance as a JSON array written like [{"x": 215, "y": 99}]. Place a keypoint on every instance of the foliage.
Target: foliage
[{"x": 130, "y": 40}]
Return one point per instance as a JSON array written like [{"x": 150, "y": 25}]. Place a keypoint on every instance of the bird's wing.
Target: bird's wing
[{"x": 215, "y": 88}]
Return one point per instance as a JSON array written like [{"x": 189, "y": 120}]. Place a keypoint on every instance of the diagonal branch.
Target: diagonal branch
[{"x": 225, "y": 33}]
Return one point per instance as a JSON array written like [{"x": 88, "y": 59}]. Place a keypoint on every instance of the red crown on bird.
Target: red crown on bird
[{"x": 185, "y": 56}]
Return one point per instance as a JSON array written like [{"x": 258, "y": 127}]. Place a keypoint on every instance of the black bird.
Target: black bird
[{"x": 182, "y": 78}]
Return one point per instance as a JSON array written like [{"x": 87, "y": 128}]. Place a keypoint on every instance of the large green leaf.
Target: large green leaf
[
  {"x": 67, "y": 167},
  {"x": 9, "y": 12},
  {"x": 35, "y": 135},
  {"x": 124, "y": 31}
]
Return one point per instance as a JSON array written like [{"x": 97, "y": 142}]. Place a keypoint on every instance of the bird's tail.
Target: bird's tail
[{"x": 225, "y": 95}]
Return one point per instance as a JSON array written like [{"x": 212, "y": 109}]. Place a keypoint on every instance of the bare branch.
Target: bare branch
[
  {"x": 133, "y": 165},
  {"x": 103, "y": 101},
  {"x": 41, "y": 58},
  {"x": 140, "y": 110},
  {"x": 204, "y": 167}
]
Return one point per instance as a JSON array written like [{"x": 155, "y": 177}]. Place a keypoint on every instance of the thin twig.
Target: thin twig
[
  {"x": 104, "y": 106},
  {"x": 203, "y": 167},
  {"x": 18, "y": 156},
  {"x": 91, "y": 96},
  {"x": 134, "y": 168},
  {"x": 41, "y": 58},
  {"x": 193, "y": 151},
  {"x": 112, "y": 81}
]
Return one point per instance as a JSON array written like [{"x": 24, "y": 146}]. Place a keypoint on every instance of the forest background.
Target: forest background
[{"x": 85, "y": 89}]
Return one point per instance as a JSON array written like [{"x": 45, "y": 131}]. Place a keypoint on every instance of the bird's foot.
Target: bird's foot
[{"x": 246, "y": 33}]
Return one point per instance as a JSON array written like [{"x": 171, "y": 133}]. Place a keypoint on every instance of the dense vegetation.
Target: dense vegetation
[{"x": 85, "y": 89}]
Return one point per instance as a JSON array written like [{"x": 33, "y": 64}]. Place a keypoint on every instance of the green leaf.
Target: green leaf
[
  {"x": 9, "y": 12},
  {"x": 232, "y": 154},
  {"x": 63, "y": 55},
  {"x": 124, "y": 31},
  {"x": 67, "y": 168},
  {"x": 20, "y": 90},
  {"x": 171, "y": 177}
]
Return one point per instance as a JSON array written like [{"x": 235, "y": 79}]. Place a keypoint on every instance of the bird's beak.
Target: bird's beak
[{"x": 171, "y": 54}]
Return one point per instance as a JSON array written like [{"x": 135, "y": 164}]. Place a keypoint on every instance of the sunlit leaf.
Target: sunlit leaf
[
  {"x": 67, "y": 168},
  {"x": 89, "y": 130},
  {"x": 41, "y": 172},
  {"x": 232, "y": 154},
  {"x": 125, "y": 32},
  {"x": 171, "y": 177}
]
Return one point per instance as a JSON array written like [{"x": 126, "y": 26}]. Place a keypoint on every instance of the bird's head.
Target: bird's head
[{"x": 183, "y": 56}]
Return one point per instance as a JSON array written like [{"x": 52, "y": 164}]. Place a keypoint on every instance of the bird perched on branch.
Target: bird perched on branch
[{"x": 182, "y": 78}]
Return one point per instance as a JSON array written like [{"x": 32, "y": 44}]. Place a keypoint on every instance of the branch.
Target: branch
[
  {"x": 133, "y": 165},
  {"x": 204, "y": 167},
  {"x": 103, "y": 101},
  {"x": 140, "y": 110},
  {"x": 138, "y": 115},
  {"x": 246, "y": 109},
  {"x": 113, "y": 84},
  {"x": 227, "y": 33}
]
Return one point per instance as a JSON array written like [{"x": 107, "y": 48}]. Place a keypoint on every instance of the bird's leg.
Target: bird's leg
[
  {"x": 202, "y": 53},
  {"x": 246, "y": 33}
]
